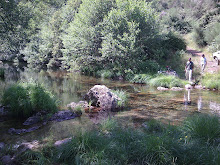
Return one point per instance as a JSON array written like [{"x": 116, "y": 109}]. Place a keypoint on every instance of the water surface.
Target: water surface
[{"x": 144, "y": 103}]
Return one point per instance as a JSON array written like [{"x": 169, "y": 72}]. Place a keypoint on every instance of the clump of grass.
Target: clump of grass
[
  {"x": 203, "y": 126},
  {"x": 141, "y": 78},
  {"x": 78, "y": 110},
  {"x": 211, "y": 81},
  {"x": 2, "y": 73},
  {"x": 25, "y": 99},
  {"x": 123, "y": 97},
  {"x": 105, "y": 74},
  {"x": 166, "y": 81}
]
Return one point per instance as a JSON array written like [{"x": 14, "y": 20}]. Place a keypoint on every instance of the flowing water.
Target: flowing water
[{"x": 144, "y": 103}]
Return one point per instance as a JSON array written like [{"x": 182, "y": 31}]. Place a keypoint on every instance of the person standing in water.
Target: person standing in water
[
  {"x": 189, "y": 69},
  {"x": 203, "y": 63}
]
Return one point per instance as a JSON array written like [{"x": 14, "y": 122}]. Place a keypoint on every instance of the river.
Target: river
[{"x": 144, "y": 103}]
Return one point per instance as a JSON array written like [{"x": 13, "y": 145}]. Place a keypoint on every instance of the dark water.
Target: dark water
[{"x": 144, "y": 103}]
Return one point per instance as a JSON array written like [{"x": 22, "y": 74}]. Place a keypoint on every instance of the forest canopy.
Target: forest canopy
[{"x": 125, "y": 36}]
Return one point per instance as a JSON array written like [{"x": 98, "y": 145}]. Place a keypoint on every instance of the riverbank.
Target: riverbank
[{"x": 195, "y": 141}]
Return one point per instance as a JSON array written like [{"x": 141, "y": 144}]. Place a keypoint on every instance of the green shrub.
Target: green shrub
[
  {"x": 211, "y": 80},
  {"x": 25, "y": 99},
  {"x": 166, "y": 81},
  {"x": 203, "y": 126}
]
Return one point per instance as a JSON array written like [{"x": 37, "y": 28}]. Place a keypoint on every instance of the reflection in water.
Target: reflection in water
[
  {"x": 215, "y": 107},
  {"x": 199, "y": 103},
  {"x": 144, "y": 102}
]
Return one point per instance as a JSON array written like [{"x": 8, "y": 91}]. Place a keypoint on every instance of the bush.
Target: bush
[
  {"x": 211, "y": 80},
  {"x": 166, "y": 81},
  {"x": 25, "y": 99}
]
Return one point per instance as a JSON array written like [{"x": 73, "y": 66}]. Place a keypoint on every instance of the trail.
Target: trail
[{"x": 211, "y": 64}]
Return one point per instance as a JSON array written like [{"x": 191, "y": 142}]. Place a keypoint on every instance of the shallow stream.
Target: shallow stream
[{"x": 144, "y": 103}]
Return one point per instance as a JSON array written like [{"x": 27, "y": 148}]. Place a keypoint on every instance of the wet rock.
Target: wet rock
[
  {"x": 82, "y": 104},
  {"x": 36, "y": 118},
  {"x": 198, "y": 87},
  {"x": 101, "y": 96},
  {"x": 162, "y": 88},
  {"x": 61, "y": 142},
  {"x": 7, "y": 160},
  {"x": 176, "y": 89},
  {"x": 32, "y": 120},
  {"x": 21, "y": 131},
  {"x": 63, "y": 115},
  {"x": 2, "y": 145},
  {"x": 188, "y": 86}
]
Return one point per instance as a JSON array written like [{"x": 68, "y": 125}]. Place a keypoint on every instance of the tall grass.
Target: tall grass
[
  {"x": 211, "y": 81},
  {"x": 166, "y": 81},
  {"x": 156, "y": 143},
  {"x": 123, "y": 97},
  {"x": 2, "y": 73},
  {"x": 25, "y": 99},
  {"x": 141, "y": 78}
]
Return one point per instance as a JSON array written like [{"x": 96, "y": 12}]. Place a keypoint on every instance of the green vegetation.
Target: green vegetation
[
  {"x": 156, "y": 143},
  {"x": 123, "y": 97},
  {"x": 25, "y": 99},
  {"x": 2, "y": 72},
  {"x": 141, "y": 78},
  {"x": 166, "y": 81},
  {"x": 211, "y": 80}
]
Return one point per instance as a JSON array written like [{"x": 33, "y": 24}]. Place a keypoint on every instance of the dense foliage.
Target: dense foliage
[
  {"x": 202, "y": 17},
  {"x": 124, "y": 36},
  {"x": 25, "y": 99}
]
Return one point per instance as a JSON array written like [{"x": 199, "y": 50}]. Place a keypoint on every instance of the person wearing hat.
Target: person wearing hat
[{"x": 189, "y": 69}]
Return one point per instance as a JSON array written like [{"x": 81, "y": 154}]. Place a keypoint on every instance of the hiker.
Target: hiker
[
  {"x": 203, "y": 63},
  {"x": 189, "y": 69}
]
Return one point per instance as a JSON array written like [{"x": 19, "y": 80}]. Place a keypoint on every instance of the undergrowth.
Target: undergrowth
[{"x": 155, "y": 143}]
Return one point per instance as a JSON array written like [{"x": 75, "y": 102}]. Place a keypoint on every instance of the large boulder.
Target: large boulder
[{"x": 101, "y": 96}]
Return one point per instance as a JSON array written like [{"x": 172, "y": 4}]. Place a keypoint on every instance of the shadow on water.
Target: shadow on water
[{"x": 144, "y": 103}]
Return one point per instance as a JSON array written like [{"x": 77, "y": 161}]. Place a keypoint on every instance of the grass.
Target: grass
[
  {"x": 2, "y": 73},
  {"x": 211, "y": 81},
  {"x": 123, "y": 97},
  {"x": 156, "y": 143},
  {"x": 166, "y": 81},
  {"x": 141, "y": 78},
  {"x": 25, "y": 99}
]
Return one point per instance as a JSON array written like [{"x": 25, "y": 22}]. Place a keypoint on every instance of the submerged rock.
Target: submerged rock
[
  {"x": 176, "y": 89},
  {"x": 162, "y": 88},
  {"x": 101, "y": 96},
  {"x": 63, "y": 115},
  {"x": 82, "y": 104},
  {"x": 188, "y": 86},
  {"x": 21, "y": 131}
]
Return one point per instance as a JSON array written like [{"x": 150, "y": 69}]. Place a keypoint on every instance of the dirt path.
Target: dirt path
[{"x": 211, "y": 64}]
